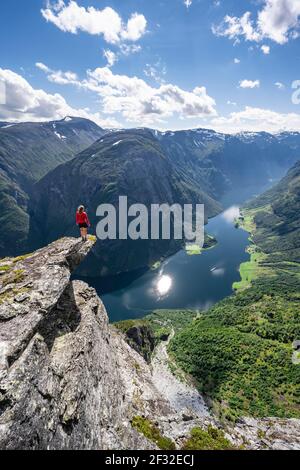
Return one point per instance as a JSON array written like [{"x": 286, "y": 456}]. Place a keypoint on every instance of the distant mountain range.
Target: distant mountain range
[
  {"x": 59, "y": 165},
  {"x": 153, "y": 167},
  {"x": 130, "y": 163},
  {"x": 221, "y": 162}
]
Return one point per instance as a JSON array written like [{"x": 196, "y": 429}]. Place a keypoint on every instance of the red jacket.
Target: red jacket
[{"x": 82, "y": 218}]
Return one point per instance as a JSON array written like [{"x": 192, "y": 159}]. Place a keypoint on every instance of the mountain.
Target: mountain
[
  {"x": 130, "y": 163},
  {"x": 281, "y": 213},
  {"x": 222, "y": 162},
  {"x": 242, "y": 351},
  {"x": 28, "y": 151},
  {"x": 69, "y": 380},
  {"x": 150, "y": 166}
]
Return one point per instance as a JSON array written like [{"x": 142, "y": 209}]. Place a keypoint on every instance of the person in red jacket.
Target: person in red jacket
[{"x": 83, "y": 222}]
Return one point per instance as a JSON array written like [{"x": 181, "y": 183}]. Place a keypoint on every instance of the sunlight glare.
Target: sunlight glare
[{"x": 164, "y": 284}]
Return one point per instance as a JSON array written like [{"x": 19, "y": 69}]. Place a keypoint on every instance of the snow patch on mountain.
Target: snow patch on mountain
[{"x": 61, "y": 137}]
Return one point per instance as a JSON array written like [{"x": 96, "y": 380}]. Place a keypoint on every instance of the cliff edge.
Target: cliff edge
[{"x": 60, "y": 381}]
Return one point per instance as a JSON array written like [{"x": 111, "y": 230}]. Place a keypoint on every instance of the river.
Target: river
[{"x": 182, "y": 281}]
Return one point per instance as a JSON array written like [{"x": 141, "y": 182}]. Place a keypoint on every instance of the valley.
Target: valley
[
  {"x": 226, "y": 316},
  {"x": 69, "y": 380},
  {"x": 151, "y": 167},
  {"x": 240, "y": 352},
  {"x": 150, "y": 230}
]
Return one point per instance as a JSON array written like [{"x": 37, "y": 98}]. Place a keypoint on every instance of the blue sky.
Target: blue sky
[{"x": 167, "y": 64}]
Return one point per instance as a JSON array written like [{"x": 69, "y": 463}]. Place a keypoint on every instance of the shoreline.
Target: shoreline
[{"x": 249, "y": 270}]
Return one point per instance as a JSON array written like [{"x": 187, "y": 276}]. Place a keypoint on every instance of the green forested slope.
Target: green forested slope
[
  {"x": 28, "y": 151},
  {"x": 278, "y": 227},
  {"x": 241, "y": 351},
  {"x": 131, "y": 163}
]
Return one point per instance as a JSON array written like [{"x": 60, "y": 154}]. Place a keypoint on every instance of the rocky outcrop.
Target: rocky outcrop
[
  {"x": 191, "y": 412},
  {"x": 60, "y": 383},
  {"x": 141, "y": 339},
  {"x": 247, "y": 434},
  {"x": 69, "y": 380},
  {"x": 30, "y": 287}
]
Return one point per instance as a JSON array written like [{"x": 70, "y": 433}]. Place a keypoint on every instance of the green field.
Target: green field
[
  {"x": 193, "y": 249},
  {"x": 252, "y": 269}
]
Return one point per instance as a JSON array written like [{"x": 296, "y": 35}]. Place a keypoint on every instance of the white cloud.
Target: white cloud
[
  {"x": 257, "y": 120},
  {"x": 265, "y": 49},
  {"x": 24, "y": 103},
  {"x": 127, "y": 49},
  {"x": 72, "y": 18},
  {"x": 157, "y": 72},
  {"x": 278, "y": 20},
  {"x": 234, "y": 27},
  {"x": 2, "y": 93},
  {"x": 279, "y": 85},
  {"x": 188, "y": 3},
  {"x": 231, "y": 103},
  {"x": 136, "y": 28},
  {"x": 59, "y": 77},
  {"x": 124, "y": 50},
  {"x": 110, "y": 56},
  {"x": 237, "y": 61},
  {"x": 139, "y": 102},
  {"x": 135, "y": 100},
  {"x": 249, "y": 84}
]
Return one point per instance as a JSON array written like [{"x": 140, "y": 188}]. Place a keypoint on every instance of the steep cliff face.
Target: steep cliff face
[
  {"x": 60, "y": 381},
  {"x": 69, "y": 380}
]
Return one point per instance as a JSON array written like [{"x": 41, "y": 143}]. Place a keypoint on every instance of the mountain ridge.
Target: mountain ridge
[
  {"x": 124, "y": 163},
  {"x": 184, "y": 167},
  {"x": 205, "y": 164},
  {"x": 27, "y": 152}
]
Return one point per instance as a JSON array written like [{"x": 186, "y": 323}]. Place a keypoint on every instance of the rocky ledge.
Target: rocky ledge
[
  {"x": 68, "y": 380},
  {"x": 30, "y": 286},
  {"x": 60, "y": 380}
]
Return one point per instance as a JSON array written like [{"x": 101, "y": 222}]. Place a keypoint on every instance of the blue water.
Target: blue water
[{"x": 182, "y": 281}]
